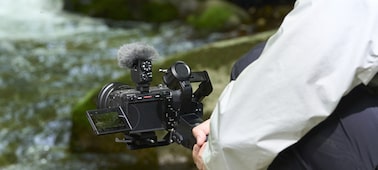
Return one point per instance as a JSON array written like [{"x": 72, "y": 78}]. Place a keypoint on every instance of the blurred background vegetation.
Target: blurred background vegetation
[
  {"x": 56, "y": 54},
  {"x": 207, "y": 16}
]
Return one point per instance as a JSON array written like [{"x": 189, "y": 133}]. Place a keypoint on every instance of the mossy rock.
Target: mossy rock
[
  {"x": 216, "y": 58},
  {"x": 217, "y": 15}
]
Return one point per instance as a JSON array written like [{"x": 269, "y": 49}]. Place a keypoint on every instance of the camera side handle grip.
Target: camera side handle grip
[{"x": 183, "y": 133}]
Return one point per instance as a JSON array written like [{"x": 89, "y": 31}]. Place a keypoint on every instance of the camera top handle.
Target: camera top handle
[
  {"x": 204, "y": 88},
  {"x": 179, "y": 76}
]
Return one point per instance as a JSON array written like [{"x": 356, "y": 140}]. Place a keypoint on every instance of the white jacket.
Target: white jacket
[{"x": 322, "y": 50}]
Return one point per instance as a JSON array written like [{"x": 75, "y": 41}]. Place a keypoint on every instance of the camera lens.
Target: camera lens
[{"x": 103, "y": 95}]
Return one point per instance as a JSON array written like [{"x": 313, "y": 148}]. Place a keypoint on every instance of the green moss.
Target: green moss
[
  {"x": 218, "y": 16},
  {"x": 211, "y": 19}
]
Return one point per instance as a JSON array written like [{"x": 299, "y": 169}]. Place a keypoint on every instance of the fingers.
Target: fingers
[
  {"x": 201, "y": 131},
  {"x": 201, "y": 139},
  {"x": 195, "y": 152},
  {"x": 197, "y": 156}
]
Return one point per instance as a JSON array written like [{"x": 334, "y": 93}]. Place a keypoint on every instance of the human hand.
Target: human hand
[
  {"x": 200, "y": 132},
  {"x": 197, "y": 156}
]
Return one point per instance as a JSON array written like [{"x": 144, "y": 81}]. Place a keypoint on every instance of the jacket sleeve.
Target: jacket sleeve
[{"x": 321, "y": 51}]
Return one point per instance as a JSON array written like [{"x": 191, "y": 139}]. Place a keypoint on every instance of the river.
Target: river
[{"x": 49, "y": 60}]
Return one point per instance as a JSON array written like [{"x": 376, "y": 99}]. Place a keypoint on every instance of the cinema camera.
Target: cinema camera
[{"x": 141, "y": 112}]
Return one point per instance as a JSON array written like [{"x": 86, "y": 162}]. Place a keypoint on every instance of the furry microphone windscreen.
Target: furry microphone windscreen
[{"x": 128, "y": 54}]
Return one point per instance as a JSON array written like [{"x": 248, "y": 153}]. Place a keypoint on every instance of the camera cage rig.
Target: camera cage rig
[{"x": 183, "y": 111}]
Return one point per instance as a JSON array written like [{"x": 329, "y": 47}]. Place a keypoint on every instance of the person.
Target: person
[
  {"x": 344, "y": 140},
  {"x": 322, "y": 51}
]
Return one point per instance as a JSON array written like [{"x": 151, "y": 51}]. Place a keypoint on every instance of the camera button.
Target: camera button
[{"x": 147, "y": 97}]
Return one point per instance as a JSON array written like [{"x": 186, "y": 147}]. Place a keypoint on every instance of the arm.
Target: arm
[{"x": 321, "y": 51}]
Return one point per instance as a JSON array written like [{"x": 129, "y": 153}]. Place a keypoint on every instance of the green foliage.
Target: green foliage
[{"x": 205, "y": 16}]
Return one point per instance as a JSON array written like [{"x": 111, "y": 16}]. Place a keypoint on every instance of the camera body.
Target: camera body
[{"x": 141, "y": 111}]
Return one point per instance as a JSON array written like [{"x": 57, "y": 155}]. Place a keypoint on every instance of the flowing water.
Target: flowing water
[{"x": 49, "y": 59}]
